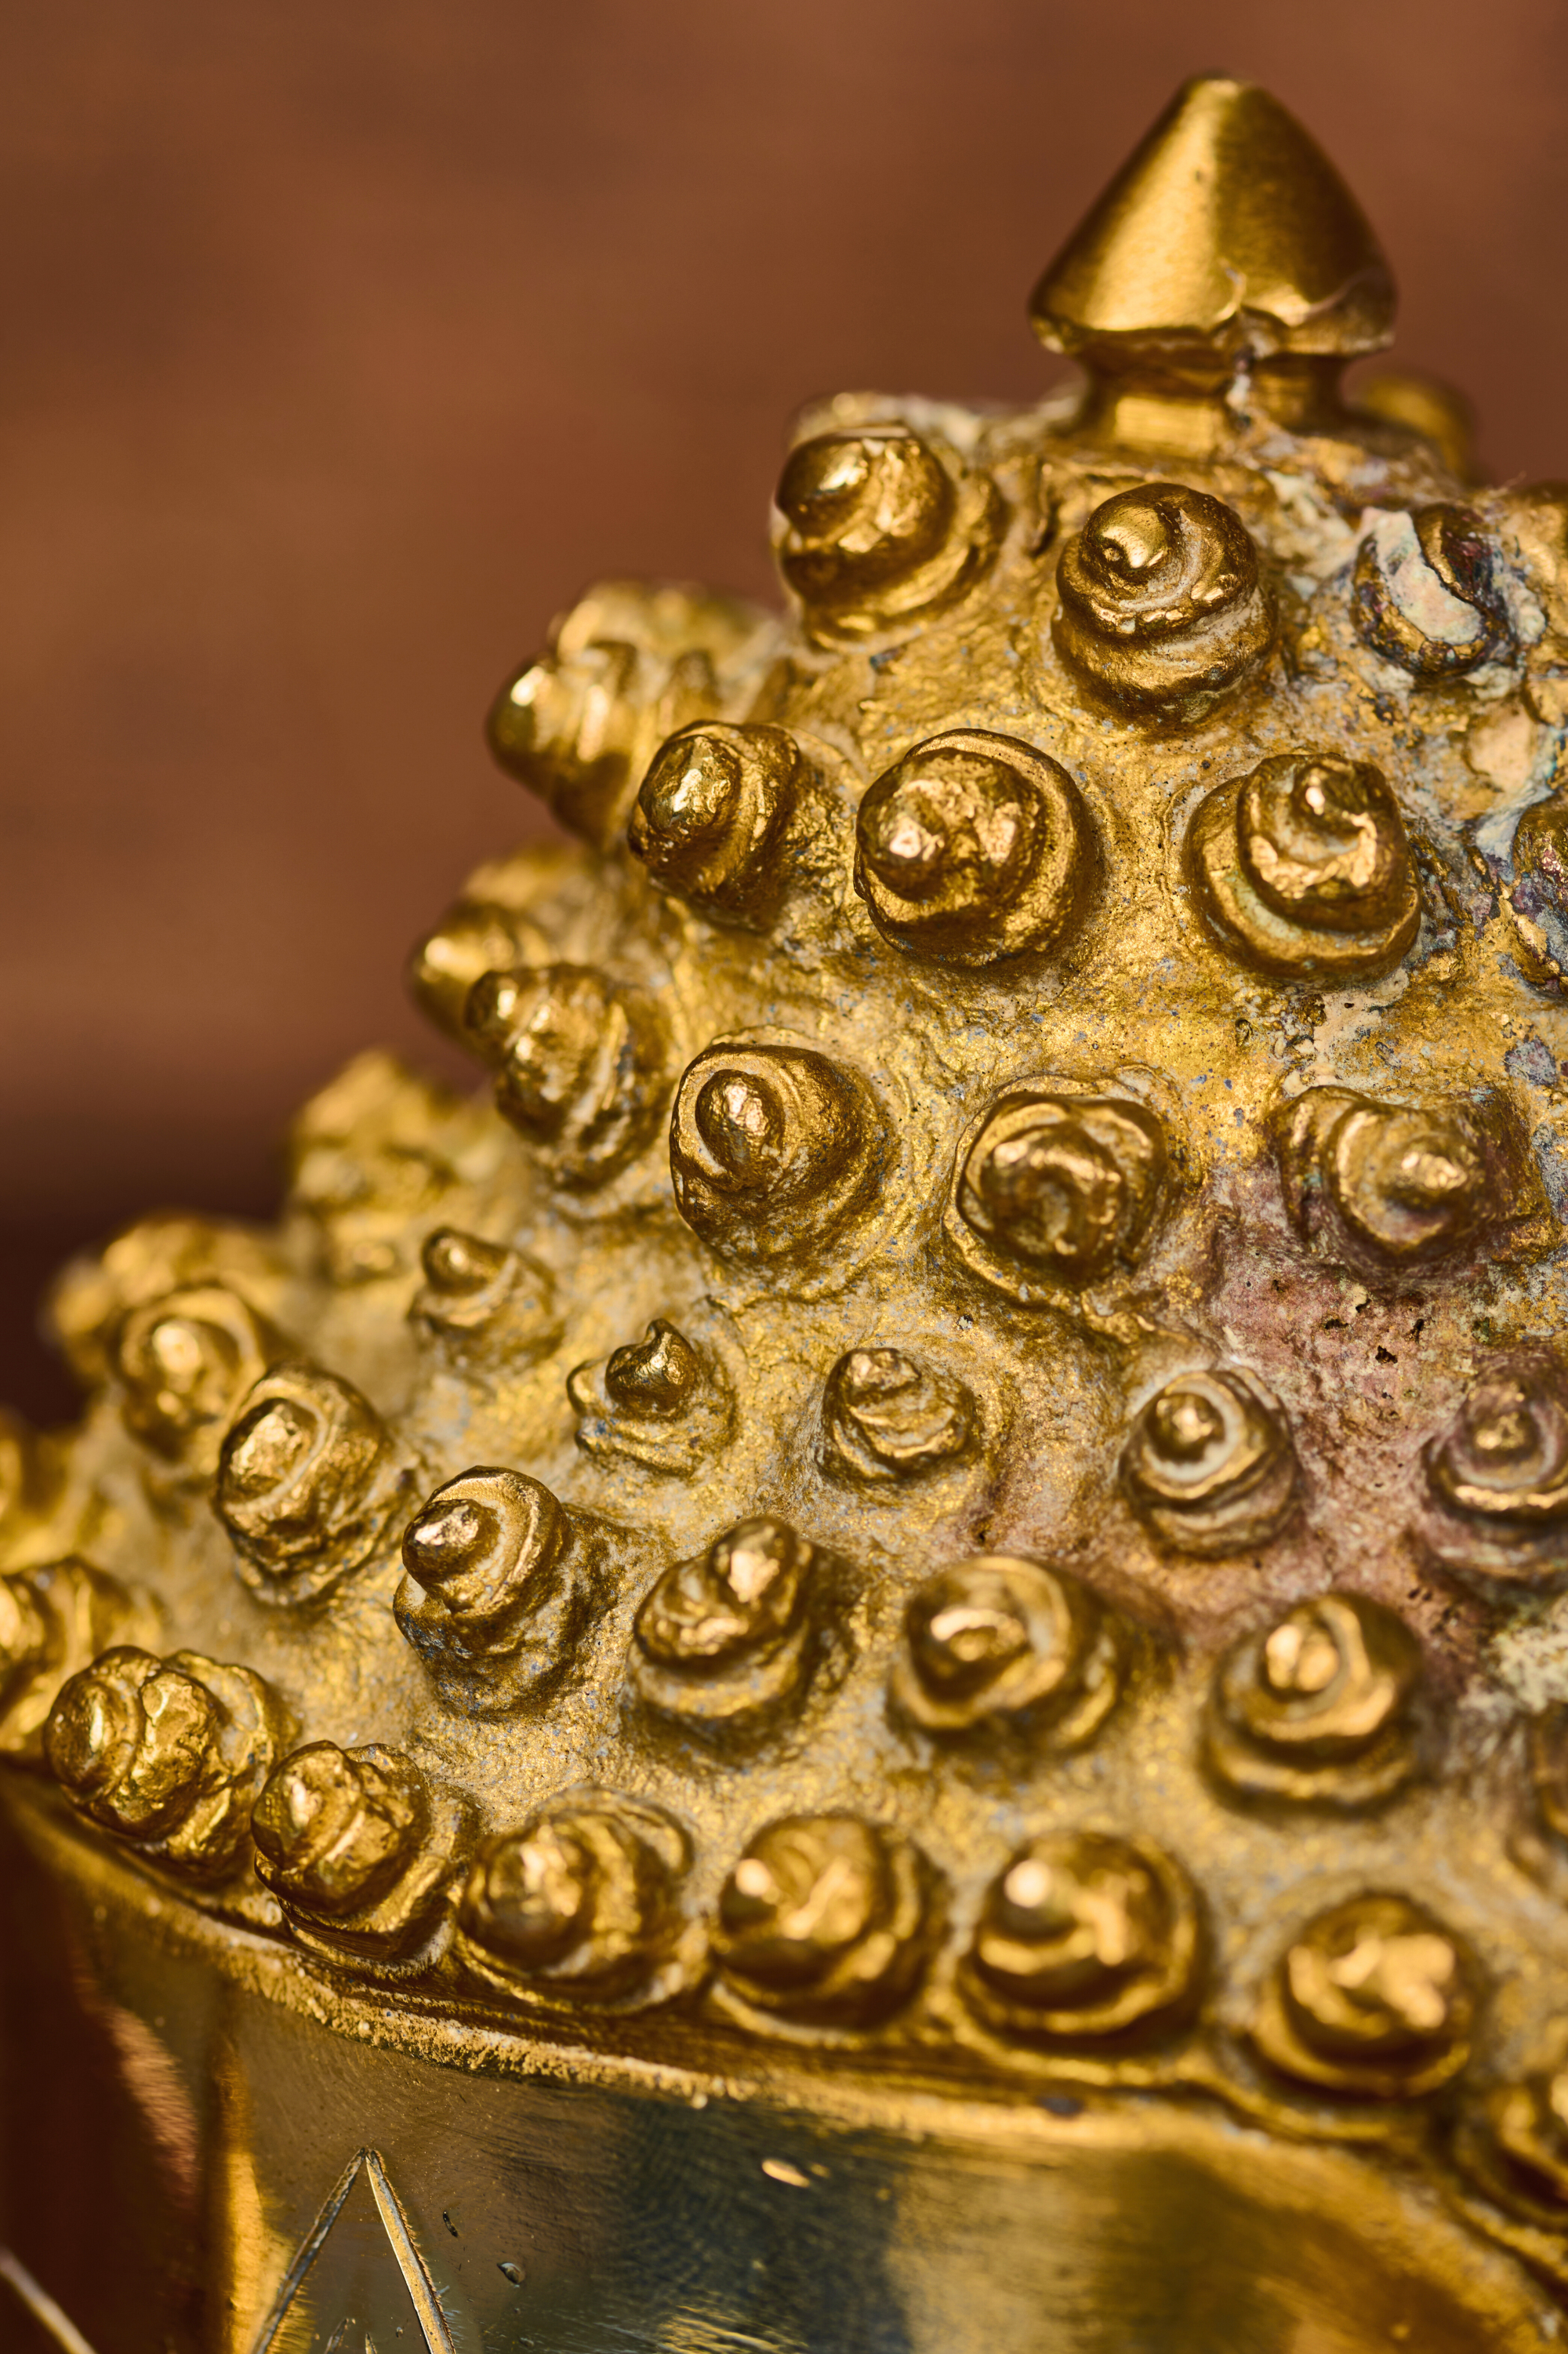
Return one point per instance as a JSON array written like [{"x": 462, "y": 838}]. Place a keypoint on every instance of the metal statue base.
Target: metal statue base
[{"x": 208, "y": 2168}]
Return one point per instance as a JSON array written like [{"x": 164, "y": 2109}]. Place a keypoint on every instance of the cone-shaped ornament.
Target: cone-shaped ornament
[{"x": 1228, "y": 238}]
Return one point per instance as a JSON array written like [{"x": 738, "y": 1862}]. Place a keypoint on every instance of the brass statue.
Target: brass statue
[{"x": 877, "y": 1662}]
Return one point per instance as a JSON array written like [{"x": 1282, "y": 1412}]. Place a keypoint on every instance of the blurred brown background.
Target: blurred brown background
[{"x": 344, "y": 341}]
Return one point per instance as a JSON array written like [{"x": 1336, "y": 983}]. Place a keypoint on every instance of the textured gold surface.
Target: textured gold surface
[{"x": 949, "y": 1516}]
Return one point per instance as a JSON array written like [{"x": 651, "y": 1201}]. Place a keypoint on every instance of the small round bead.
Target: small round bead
[
  {"x": 357, "y": 1847},
  {"x": 309, "y": 1482},
  {"x": 1392, "y": 1187},
  {"x": 974, "y": 847},
  {"x": 714, "y": 813},
  {"x": 888, "y": 1417},
  {"x": 727, "y": 1642},
  {"x": 1316, "y": 1711},
  {"x": 483, "y": 1305},
  {"x": 1004, "y": 1648},
  {"x": 1058, "y": 1191},
  {"x": 1085, "y": 1938},
  {"x": 1495, "y": 1506},
  {"x": 826, "y": 1920},
  {"x": 168, "y": 1755},
  {"x": 580, "y": 1903},
  {"x": 1372, "y": 1999},
  {"x": 1209, "y": 1464},
  {"x": 774, "y": 1147},
  {"x": 499, "y": 1584},
  {"x": 1161, "y": 609},
  {"x": 580, "y": 1063},
  {"x": 1302, "y": 869},
  {"x": 182, "y": 1364},
  {"x": 659, "y": 1401},
  {"x": 879, "y": 530}
]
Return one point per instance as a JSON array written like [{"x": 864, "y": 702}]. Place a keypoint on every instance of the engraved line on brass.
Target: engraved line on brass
[
  {"x": 309, "y": 2248},
  {"x": 421, "y": 2288},
  {"x": 426, "y": 2304}
]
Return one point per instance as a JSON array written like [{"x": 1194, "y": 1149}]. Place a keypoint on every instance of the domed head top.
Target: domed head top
[{"x": 1226, "y": 235}]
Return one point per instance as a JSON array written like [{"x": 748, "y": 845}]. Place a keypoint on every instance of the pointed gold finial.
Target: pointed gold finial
[{"x": 1227, "y": 241}]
